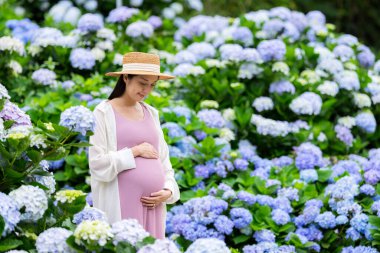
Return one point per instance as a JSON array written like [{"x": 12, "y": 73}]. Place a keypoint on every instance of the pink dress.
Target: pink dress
[{"x": 147, "y": 177}]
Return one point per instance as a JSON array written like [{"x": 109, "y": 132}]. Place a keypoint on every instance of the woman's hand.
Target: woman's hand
[
  {"x": 156, "y": 198},
  {"x": 145, "y": 150}
]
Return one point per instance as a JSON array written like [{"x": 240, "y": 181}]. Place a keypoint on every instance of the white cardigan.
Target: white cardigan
[{"x": 106, "y": 162}]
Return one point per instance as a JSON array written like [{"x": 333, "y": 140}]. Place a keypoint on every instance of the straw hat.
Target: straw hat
[{"x": 141, "y": 64}]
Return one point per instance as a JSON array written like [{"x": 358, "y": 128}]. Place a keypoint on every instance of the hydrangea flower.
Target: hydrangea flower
[
  {"x": 272, "y": 50},
  {"x": 89, "y": 213},
  {"x": 185, "y": 69},
  {"x": 208, "y": 245},
  {"x": 160, "y": 245},
  {"x": 241, "y": 217},
  {"x": 280, "y": 87},
  {"x": 308, "y": 156},
  {"x": 33, "y": 199},
  {"x": 78, "y": 118},
  {"x": 263, "y": 104},
  {"x": 140, "y": 29},
  {"x": 280, "y": 217},
  {"x": 307, "y": 103},
  {"x": 81, "y": 58},
  {"x": 12, "y": 112},
  {"x": 174, "y": 130},
  {"x": 328, "y": 88},
  {"x": 44, "y": 76},
  {"x": 93, "y": 233},
  {"x": 128, "y": 230},
  {"x": 326, "y": 220},
  {"x": 54, "y": 240},
  {"x": 121, "y": 14},
  {"x": 212, "y": 118},
  {"x": 348, "y": 80},
  {"x": 90, "y": 23},
  {"x": 202, "y": 50},
  {"x": 366, "y": 121},
  {"x": 344, "y": 134},
  {"x": 10, "y": 44},
  {"x": 68, "y": 196},
  {"x": 9, "y": 211}
]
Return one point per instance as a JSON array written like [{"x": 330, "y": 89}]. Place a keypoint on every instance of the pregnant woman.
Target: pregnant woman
[{"x": 131, "y": 173}]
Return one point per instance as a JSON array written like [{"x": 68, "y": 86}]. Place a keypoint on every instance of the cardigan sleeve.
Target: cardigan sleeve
[
  {"x": 170, "y": 182},
  {"x": 104, "y": 164}
]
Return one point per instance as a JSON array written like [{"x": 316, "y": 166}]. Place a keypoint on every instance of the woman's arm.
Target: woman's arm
[{"x": 105, "y": 165}]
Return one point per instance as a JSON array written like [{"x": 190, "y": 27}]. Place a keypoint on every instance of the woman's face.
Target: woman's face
[{"x": 140, "y": 86}]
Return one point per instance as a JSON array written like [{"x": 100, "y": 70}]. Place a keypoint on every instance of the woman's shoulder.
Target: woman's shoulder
[{"x": 150, "y": 108}]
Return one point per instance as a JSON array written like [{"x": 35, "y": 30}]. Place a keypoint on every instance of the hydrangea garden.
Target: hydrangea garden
[{"x": 271, "y": 125}]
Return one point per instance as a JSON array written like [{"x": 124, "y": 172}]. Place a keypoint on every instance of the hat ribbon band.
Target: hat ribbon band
[{"x": 141, "y": 67}]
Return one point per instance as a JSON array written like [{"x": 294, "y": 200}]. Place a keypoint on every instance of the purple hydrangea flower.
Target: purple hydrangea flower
[
  {"x": 282, "y": 86},
  {"x": 344, "y": 134},
  {"x": 89, "y": 213},
  {"x": 366, "y": 121},
  {"x": 13, "y": 112},
  {"x": 212, "y": 118},
  {"x": 280, "y": 217},
  {"x": 241, "y": 164},
  {"x": 264, "y": 235},
  {"x": 308, "y": 156},
  {"x": 202, "y": 50},
  {"x": 224, "y": 225},
  {"x": 155, "y": 21}
]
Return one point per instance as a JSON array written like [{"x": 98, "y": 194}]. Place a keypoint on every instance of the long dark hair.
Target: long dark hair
[{"x": 119, "y": 89}]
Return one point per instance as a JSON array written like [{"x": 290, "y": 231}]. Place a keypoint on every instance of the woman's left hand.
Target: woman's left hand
[{"x": 156, "y": 198}]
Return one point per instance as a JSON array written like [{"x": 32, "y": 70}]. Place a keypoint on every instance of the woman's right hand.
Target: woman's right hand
[{"x": 145, "y": 150}]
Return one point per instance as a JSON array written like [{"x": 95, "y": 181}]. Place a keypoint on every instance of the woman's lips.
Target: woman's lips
[{"x": 141, "y": 95}]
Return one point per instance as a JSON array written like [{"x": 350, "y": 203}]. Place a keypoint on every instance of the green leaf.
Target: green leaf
[
  {"x": 8, "y": 244},
  {"x": 241, "y": 238},
  {"x": 186, "y": 195},
  {"x": 2, "y": 224},
  {"x": 324, "y": 174},
  {"x": 124, "y": 247},
  {"x": 374, "y": 220}
]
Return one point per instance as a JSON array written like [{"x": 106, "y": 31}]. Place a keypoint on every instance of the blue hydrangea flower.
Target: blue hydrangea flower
[
  {"x": 288, "y": 192},
  {"x": 352, "y": 234},
  {"x": 341, "y": 219},
  {"x": 359, "y": 222},
  {"x": 186, "y": 146},
  {"x": 174, "y": 130},
  {"x": 312, "y": 233},
  {"x": 231, "y": 52},
  {"x": 22, "y": 29},
  {"x": 280, "y": 217},
  {"x": 121, "y": 14},
  {"x": 81, "y": 58},
  {"x": 202, "y": 50},
  {"x": 128, "y": 230},
  {"x": 247, "y": 197},
  {"x": 366, "y": 121},
  {"x": 212, "y": 118},
  {"x": 308, "y": 103},
  {"x": 309, "y": 175},
  {"x": 140, "y": 29},
  {"x": 326, "y": 220},
  {"x": 359, "y": 249},
  {"x": 368, "y": 189},
  {"x": 78, "y": 118},
  {"x": 224, "y": 225},
  {"x": 90, "y": 23},
  {"x": 343, "y": 52},
  {"x": 155, "y": 21},
  {"x": 309, "y": 214},
  {"x": 89, "y": 213},
  {"x": 9, "y": 212},
  {"x": 308, "y": 156},
  {"x": 282, "y": 161},
  {"x": 160, "y": 245},
  {"x": 241, "y": 217},
  {"x": 348, "y": 80},
  {"x": 272, "y": 50},
  {"x": 241, "y": 164},
  {"x": 185, "y": 57},
  {"x": 273, "y": 28},
  {"x": 376, "y": 207},
  {"x": 44, "y": 76},
  {"x": 344, "y": 134},
  {"x": 347, "y": 39},
  {"x": 54, "y": 240},
  {"x": 264, "y": 235}
]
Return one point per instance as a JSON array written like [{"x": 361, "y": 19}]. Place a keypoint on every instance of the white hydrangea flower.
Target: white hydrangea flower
[
  {"x": 376, "y": 99},
  {"x": 311, "y": 76},
  {"x": 208, "y": 245},
  {"x": 321, "y": 137},
  {"x": 54, "y": 240},
  {"x": 33, "y": 199},
  {"x": 19, "y": 132},
  {"x": 34, "y": 50},
  {"x": 68, "y": 196},
  {"x": 118, "y": 59},
  {"x": 215, "y": 63},
  {"x": 105, "y": 45},
  {"x": 93, "y": 232},
  {"x": 350, "y": 66},
  {"x": 197, "y": 70},
  {"x": 159, "y": 246},
  {"x": 4, "y": 92},
  {"x": 248, "y": 70},
  {"x": 47, "y": 181},
  {"x": 209, "y": 104},
  {"x": 328, "y": 88},
  {"x": 98, "y": 53},
  {"x": 281, "y": 67},
  {"x": 263, "y": 104},
  {"x": 105, "y": 33},
  {"x": 129, "y": 230},
  {"x": 8, "y": 43},
  {"x": 229, "y": 114},
  {"x": 362, "y": 100},
  {"x": 15, "y": 66},
  {"x": 347, "y": 121},
  {"x": 227, "y": 134},
  {"x": 38, "y": 140},
  {"x": 2, "y": 131}
]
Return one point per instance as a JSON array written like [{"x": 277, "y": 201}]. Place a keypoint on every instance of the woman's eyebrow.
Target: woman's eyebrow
[{"x": 147, "y": 80}]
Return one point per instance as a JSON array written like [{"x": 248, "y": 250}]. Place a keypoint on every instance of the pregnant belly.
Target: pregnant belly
[{"x": 147, "y": 177}]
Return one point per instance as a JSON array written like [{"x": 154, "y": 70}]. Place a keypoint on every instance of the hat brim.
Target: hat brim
[{"x": 162, "y": 76}]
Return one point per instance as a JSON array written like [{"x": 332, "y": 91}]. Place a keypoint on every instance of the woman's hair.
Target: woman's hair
[{"x": 120, "y": 87}]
